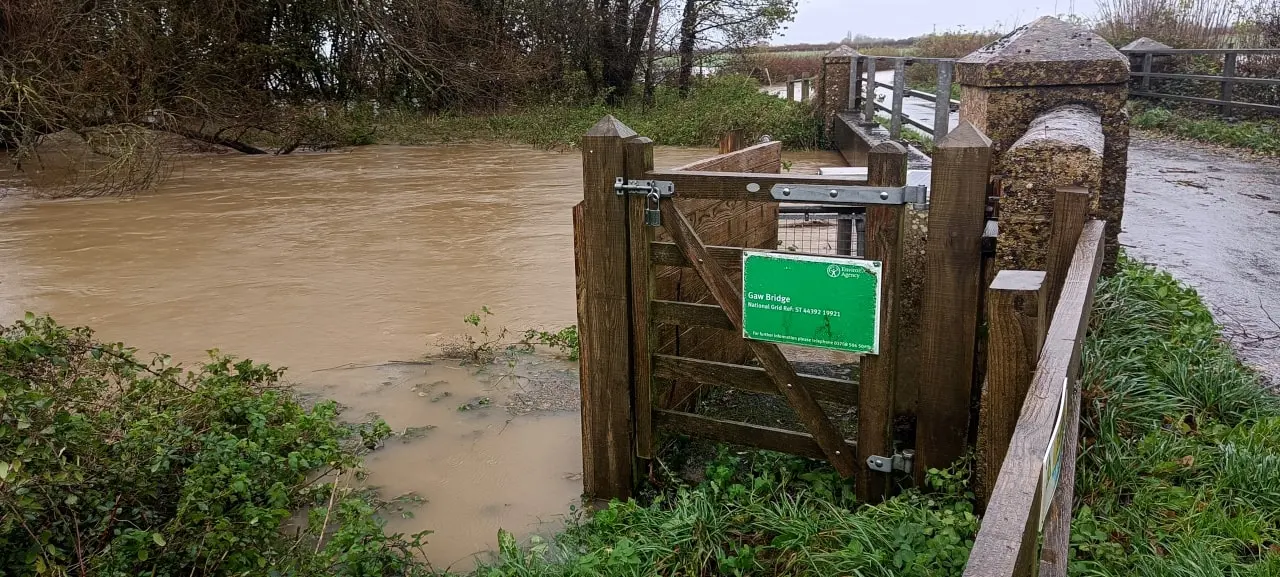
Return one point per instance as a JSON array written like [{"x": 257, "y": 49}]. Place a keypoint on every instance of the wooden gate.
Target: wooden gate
[{"x": 622, "y": 309}]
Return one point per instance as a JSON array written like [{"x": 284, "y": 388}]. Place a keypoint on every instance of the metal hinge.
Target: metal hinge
[
  {"x": 914, "y": 194},
  {"x": 900, "y": 461},
  {"x": 663, "y": 188}
]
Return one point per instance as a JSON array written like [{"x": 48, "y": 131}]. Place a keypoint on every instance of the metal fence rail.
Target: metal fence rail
[
  {"x": 865, "y": 84},
  {"x": 1227, "y": 81}
]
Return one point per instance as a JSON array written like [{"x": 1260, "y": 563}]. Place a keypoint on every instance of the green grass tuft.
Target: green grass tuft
[
  {"x": 1181, "y": 469},
  {"x": 717, "y": 105},
  {"x": 1261, "y": 136}
]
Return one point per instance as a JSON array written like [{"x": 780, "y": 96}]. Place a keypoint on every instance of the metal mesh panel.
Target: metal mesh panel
[{"x": 825, "y": 230}]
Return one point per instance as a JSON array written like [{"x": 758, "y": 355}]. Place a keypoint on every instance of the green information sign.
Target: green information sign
[{"x": 812, "y": 301}]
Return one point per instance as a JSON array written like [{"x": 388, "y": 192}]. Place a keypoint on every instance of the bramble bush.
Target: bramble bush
[{"x": 114, "y": 466}]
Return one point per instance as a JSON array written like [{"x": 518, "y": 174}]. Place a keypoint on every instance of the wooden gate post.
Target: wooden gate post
[
  {"x": 1070, "y": 209},
  {"x": 1017, "y": 322},
  {"x": 950, "y": 299},
  {"x": 600, "y": 247},
  {"x": 639, "y": 160},
  {"x": 886, "y": 166}
]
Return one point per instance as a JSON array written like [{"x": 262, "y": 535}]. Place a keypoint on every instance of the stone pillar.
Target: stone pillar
[
  {"x": 1041, "y": 66},
  {"x": 833, "y": 86}
]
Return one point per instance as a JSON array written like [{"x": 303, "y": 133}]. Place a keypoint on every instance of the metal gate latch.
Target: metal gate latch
[
  {"x": 901, "y": 461},
  {"x": 663, "y": 188},
  {"x": 653, "y": 190}
]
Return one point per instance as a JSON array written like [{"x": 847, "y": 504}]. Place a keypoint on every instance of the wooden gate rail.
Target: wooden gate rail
[{"x": 1006, "y": 544}]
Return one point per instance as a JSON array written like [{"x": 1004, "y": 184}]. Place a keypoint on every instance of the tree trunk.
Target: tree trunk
[
  {"x": 688, "y": 37},
  {"x": 649, "y": 82}
]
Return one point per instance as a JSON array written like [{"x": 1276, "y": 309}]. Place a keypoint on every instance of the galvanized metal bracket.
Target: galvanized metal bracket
[
  {"x": 900, "y": 461},
  {"x": 856, "y": 195},
  {"x": 663, "y": 188}
]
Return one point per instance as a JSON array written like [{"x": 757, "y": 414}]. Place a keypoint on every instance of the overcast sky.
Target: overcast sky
[{"x": 830, "y": 20}]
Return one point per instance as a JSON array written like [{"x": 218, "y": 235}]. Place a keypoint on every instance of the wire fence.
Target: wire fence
[{"x": 822, "y": 230}]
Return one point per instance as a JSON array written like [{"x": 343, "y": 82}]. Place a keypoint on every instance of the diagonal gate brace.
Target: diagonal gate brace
[{"x": 771, "y": 358}]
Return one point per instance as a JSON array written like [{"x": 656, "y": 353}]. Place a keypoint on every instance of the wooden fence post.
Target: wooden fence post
[
  {"x": 886, "y": 166},
  {"x": 1228, "y": 86},
  {"x": 950, "y": 298},
  {"x": 791, "y": 88},
  {"x": 638, "y": 153},
  {"x": 1146, "y": 71},
  {"x": 805, "y": 87},
  {"x": 600, "y": 244},
  {"x": 1057, "y": 526},
  {"x": 1070, "y": 209},
  {"x": 730, "y": 141},
  {"x": 1016, "y": 325}
]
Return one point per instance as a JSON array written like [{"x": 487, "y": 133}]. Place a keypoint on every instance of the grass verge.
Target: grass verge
[
  {"x": 1180, "y": 474},
  {"x": 1261, "y": 136},
  {"x": 717, "y": 105}
]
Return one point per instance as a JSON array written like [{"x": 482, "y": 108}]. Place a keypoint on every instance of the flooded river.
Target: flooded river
[{"x": 334, "y": 265}]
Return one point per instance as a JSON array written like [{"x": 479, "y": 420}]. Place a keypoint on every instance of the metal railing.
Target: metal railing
[
  {"x": 1227, "y": 81},
  {"x": 862, "y": 93}
]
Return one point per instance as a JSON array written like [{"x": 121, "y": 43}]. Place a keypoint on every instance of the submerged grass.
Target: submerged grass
[
  {"x": 717, "y": 105},
  {"x": 1261, "y": 136}
]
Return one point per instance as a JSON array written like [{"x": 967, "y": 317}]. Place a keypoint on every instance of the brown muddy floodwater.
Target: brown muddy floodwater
[{"x": 333, "y": 265}]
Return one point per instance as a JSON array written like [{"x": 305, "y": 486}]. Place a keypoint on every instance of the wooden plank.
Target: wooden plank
[
  {"x": 603, "y": 315},
  {"x": 1055, "y": 553},
  {"x": 690, "y": 315},
  {"x": 1016, "y": 325},
  {"x": 886, "y": 166},
  {"x": 805, "y": 87},
  {"x": 779, "y": 368},
  {"x": 732, "y": 141},
  {"x": 738, "y": 433},
  {"x": 899, "y": 88},
  {"x": 942, "y": 101},
  {"x": 1249, "y": 105},
  {"x": 734, "y": 185},
  {"x": 1007, "y": 539},
  {"x": 950, "y": 296},
  {"x": 638, "y": 153},
  {"x": 1070, "y": 209},
  {"x": 748, "y": 159},
  {"x": 1228, "y": 83},
  {"x": 791, "y": 89},
  {"x": 1207, "y": 78},
  {"x": 754, "y": 379}
]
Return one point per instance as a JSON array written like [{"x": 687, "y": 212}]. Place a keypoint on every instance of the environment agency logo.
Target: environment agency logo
[{"x": 833, "y": 271}]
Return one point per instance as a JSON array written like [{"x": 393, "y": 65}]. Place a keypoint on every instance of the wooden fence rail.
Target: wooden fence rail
[
  {"x": 1033, "y": 489},
  {"x": 1227, "y": 81}
]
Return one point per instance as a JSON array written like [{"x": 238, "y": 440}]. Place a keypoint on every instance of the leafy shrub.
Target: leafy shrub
[{"x": 113, "y": 466}]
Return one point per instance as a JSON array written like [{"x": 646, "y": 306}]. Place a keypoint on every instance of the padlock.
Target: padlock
[{"x": 652, "y": 216}]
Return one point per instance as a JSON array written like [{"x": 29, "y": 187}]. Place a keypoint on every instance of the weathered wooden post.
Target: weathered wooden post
[
  {"x": 1044, "y": 65},
  {"x": 638, "y": 159},
  {"x": 601, "y": 249},
  {"x": 950, "y": 296},
  {"x": 1070, "y": 209},
  {"x": 886, "y": 166},
  {"x": 1016, "y": 325},
  {"x": 805, "y": 87},
  {"x": 791, "y": 88}
]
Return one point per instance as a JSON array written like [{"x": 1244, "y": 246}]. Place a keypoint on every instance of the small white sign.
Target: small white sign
[{"x": 1051, "y": 472}]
